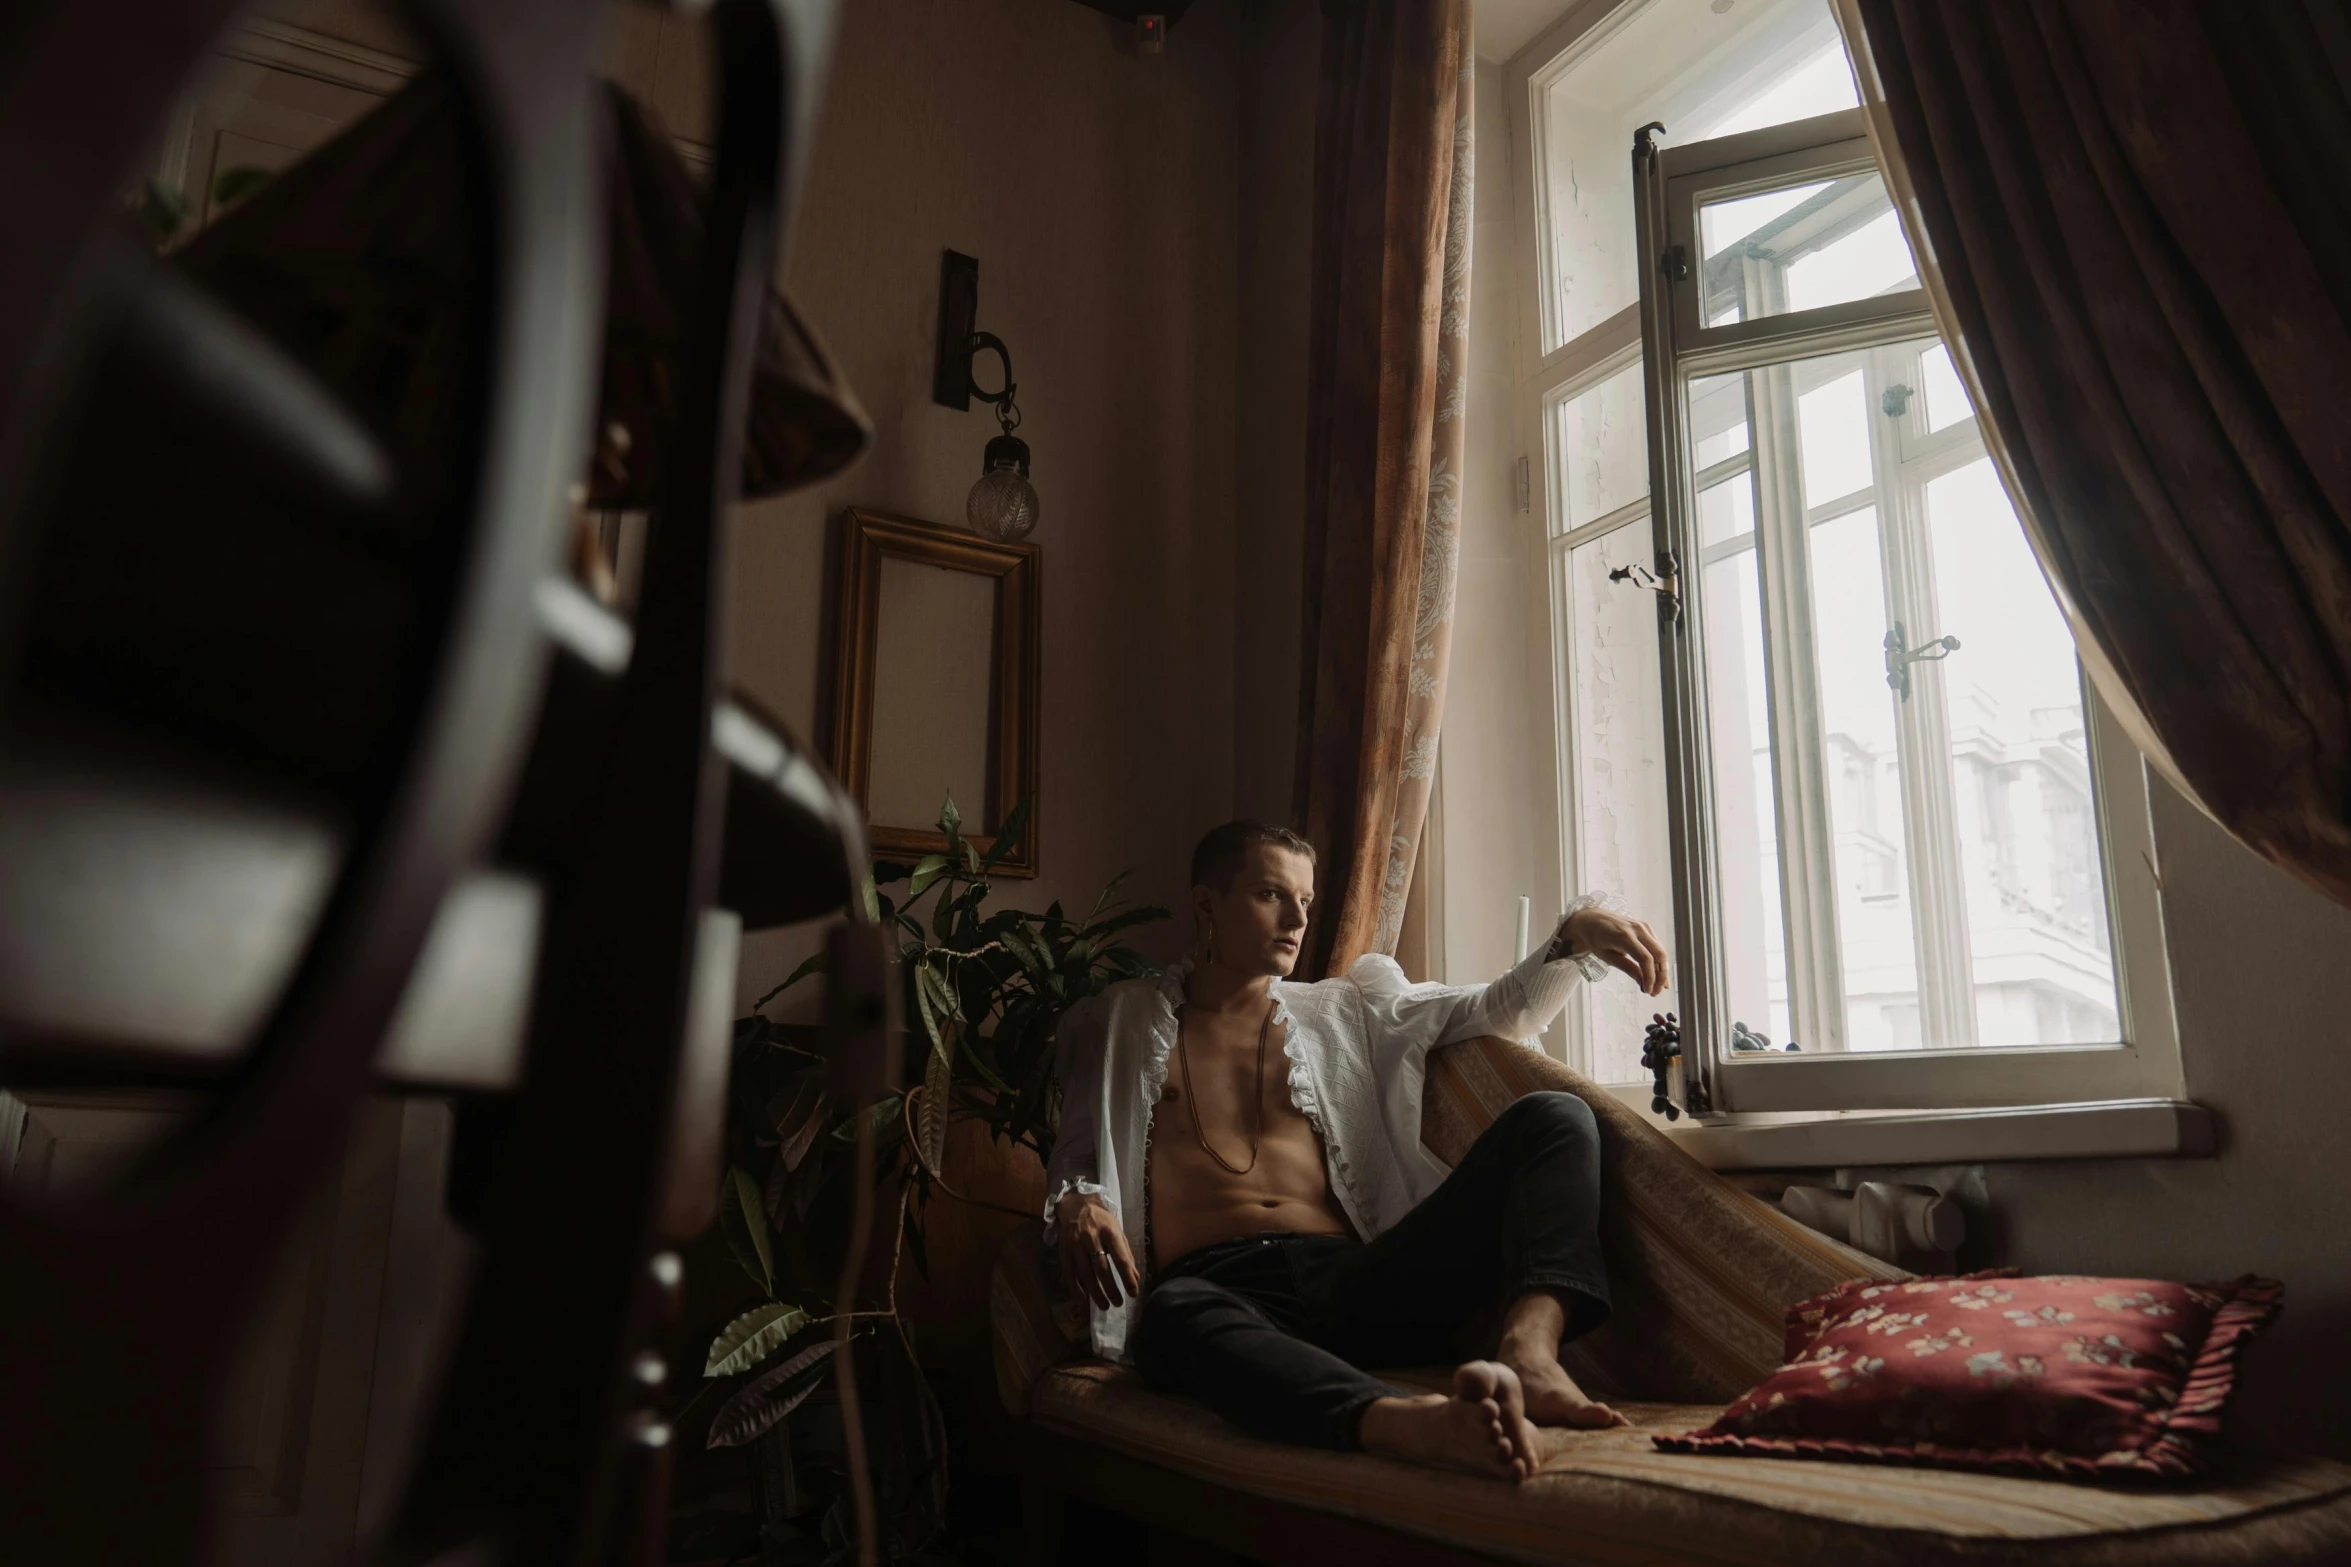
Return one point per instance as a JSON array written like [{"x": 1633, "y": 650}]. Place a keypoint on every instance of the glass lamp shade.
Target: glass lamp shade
[{"x": 1003, "y": 504}]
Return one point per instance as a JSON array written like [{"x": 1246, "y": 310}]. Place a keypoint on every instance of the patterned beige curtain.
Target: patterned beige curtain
[{"x": 1388, "y": 383}]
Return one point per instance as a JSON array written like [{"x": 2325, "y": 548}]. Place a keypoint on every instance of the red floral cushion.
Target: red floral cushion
[{"x": 2059, "y": 1375}]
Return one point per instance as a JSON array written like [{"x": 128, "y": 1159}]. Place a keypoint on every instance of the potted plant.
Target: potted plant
[{"x": 985, "y": 992}]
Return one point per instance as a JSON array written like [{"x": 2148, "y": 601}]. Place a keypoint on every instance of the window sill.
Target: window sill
[{"x": 2114, "y": 1129}]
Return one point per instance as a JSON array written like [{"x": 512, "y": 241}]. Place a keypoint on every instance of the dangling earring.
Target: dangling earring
[{"x": 1206, "y": 951}]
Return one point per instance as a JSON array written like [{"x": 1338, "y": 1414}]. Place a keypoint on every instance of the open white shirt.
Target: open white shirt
[{"x": 1358, "y": 1048}]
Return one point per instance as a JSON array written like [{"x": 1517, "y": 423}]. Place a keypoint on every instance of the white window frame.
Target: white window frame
[
  {"x": 1548, "y": 378},
  {"x": 2148, "y": 1065},
  {"x": 1670, "y": 186}
]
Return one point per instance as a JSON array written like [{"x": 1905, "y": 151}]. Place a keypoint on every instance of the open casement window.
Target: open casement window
[
  {"x": 1606, "y": 67},
  {"x": 1910, "y": 859}
]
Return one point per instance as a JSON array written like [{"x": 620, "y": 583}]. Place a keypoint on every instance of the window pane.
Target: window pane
[
  {"x": 1946, "y": 396},
  {"x": 1745, "y": 812},
  {"x": 2043, "y": 957},
  {"x": 1616, "y": 725},
  {"x": 1718, "y": 419},
  {"x": 1726, "y": 512},
  {"x": 1801, "y": 247},
  {"x": 1832, "y": 422},
  {"x": 1951, "y": 849},
  {"x": 1701, "y": 70},
  {"x": 1603, "y": 450},
  {"x": 1863, "y": 759}
]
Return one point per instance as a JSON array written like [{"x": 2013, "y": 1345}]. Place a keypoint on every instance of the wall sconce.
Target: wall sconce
[{"x": 1003, "y": 503}]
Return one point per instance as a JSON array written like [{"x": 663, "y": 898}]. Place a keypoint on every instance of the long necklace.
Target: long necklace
[{"x": 1192, "y": 1099}]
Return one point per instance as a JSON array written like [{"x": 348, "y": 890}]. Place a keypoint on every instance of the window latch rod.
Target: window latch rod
[{"x": 1900, "y": 656}]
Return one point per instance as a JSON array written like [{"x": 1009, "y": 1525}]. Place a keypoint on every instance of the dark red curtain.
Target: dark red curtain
[
  {"x": 2141, "y": 214},
  {"x": 1386, "y": 378}
]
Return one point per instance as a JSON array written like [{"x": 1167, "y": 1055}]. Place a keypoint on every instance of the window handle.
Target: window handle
[
  {"x": 1666, "y": 585},
  {"x": 1899, "y": 657}
]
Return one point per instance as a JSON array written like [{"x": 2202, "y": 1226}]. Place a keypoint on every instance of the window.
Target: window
[
  {"x": 1762, "y": 64},
  {"x": 1704, "y": 73},
  {"x": 1859, "y": 762},
  {"x": 1891, "y": 845}
]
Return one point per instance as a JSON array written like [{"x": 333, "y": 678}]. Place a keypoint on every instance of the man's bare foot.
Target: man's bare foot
[
  {"x": 1530, "y": 1347},
  {"x": 1553, "y": 1399},
  {"x": 1482, "y": 1428}
]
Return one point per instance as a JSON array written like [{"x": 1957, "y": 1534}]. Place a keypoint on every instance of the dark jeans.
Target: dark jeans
[{"x": 1271, "y": 1331}]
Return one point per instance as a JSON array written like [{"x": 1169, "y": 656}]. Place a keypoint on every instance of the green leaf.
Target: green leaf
[
  {"x": 971, "y": 856},
  {"x": 877, "y": 1115},
  {"x": 931, "y": 868},
  {"x": 752, "y": 1337},
  {"x": 930, "y": 1121},
  {"x": 747, "y": 1198},
  {"x": 1126, "y": 919},
  {"x": 797, "y": 1115},
  {"x": 814, "y": 965},
  {"x": 770, "y": 1396},
  {"x": 924, "y": 1007},
  {"x": 1008, "y": 835},
  {"x": 737, "y": 1233},
  {"x": 950, "y": 819},
  {"x": 873, "y": 899},
  {"x": 236, "y": 184},
  {"x": 941, "y": 992},
  {"x": 1021, "y": 945},
  {"x": 1129, "y": 963},
  {"x": 1108, "y": 888}
]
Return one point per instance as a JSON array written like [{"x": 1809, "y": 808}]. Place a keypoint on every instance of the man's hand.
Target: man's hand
[
  {"x": 1095, "y": 1257},
  {"x": 1618, "y": 939}
]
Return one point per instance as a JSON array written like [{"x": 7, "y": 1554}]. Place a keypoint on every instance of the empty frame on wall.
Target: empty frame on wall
[{"x": 935, "y": 692}]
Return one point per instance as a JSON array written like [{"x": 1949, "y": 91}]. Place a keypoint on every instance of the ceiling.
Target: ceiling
[{"x": 1506, "y": 26}]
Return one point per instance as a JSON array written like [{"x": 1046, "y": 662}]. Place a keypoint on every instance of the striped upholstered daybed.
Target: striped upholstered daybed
[{"x": 1702, "y": 1274}]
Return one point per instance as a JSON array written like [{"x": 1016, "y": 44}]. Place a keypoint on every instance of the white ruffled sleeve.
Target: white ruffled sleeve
[
  {"x": 1076, "y": 1162},
  {"x": 1403, "y": 1022},
  {"x": 1519, "y": 1005}
]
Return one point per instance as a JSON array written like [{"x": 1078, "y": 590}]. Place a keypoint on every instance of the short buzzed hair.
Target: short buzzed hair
[{"x": 1217, "y": 859}]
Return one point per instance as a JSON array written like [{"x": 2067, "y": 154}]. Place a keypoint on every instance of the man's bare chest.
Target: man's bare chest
[{"x": 1224, "y": 1114}]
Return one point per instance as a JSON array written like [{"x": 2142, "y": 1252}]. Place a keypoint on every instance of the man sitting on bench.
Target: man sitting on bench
[{"x": 1258, "y": 1142}]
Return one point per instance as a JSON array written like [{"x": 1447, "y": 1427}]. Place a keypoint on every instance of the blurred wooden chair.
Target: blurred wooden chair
[{"x": 317, "y": 776}]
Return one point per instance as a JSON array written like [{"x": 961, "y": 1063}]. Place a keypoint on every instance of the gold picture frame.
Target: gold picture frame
[{"x": 925, "y": 670}]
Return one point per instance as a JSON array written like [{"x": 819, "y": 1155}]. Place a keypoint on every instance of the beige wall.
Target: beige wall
[
  {"x": 2261, "y": 977},
  {"x": 1494, "y": 761},
  {"x": 1098, "y": 188},
  {"x": 1279, "y": 61}
]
